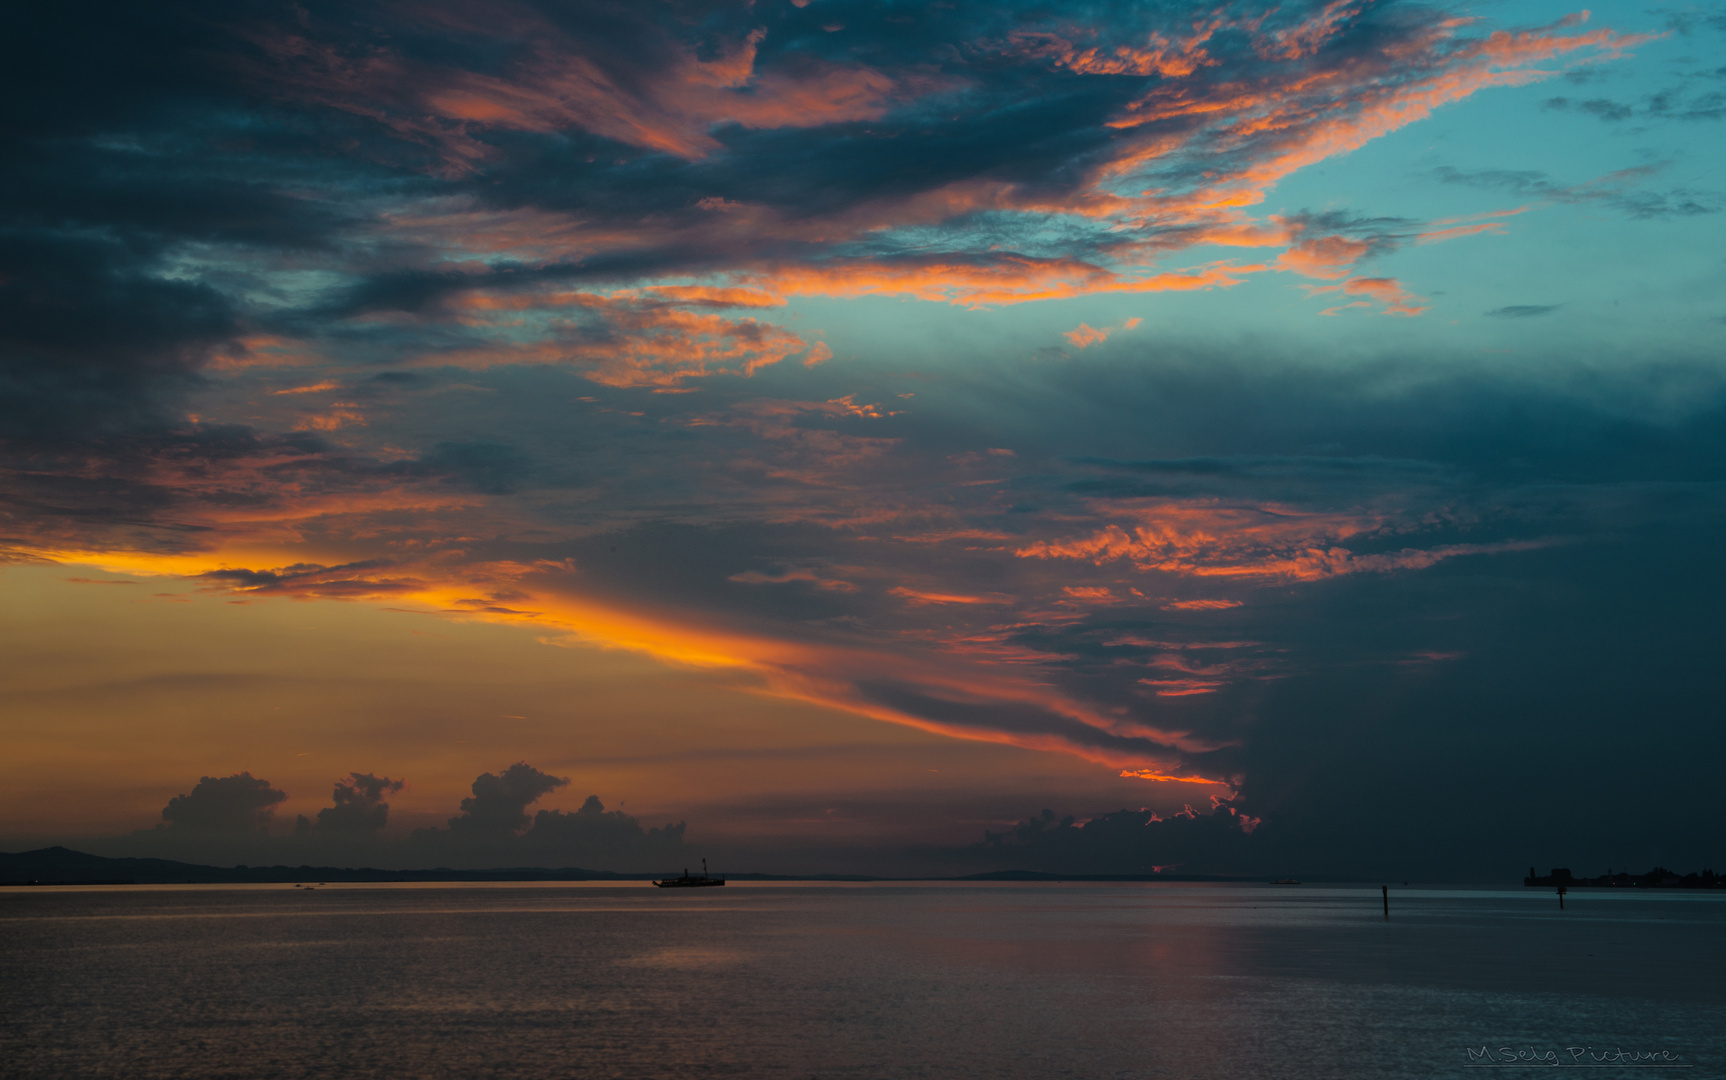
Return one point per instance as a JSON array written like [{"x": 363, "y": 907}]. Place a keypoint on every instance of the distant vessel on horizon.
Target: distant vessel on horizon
[
  {"x": 687, "y": 882},
  {"x": 1285, "y": 881}
]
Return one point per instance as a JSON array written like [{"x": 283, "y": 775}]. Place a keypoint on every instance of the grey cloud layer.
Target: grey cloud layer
[{"x": 229, "y": 819}]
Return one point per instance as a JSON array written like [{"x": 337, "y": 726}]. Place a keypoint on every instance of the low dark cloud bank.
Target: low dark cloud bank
[
  {"x": 226, "y": 804},
  {"x": 359, "y": 805},
  {"x": 229, "y": 820}
]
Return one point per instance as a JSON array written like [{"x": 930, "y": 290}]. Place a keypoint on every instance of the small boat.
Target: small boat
[
  {"x": 688, "y": 882},
  {"x": 1285, "y": 881}
]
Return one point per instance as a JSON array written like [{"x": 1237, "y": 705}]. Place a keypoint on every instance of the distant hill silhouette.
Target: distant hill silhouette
[{"x": 63, "y": 866}]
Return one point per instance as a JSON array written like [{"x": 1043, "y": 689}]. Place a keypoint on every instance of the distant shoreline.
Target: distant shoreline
[
  {"x": 1657, "y": 878},
  {"x": 63, "y": 866}
]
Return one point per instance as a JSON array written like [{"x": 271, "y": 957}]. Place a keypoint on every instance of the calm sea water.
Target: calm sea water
[{"x": 798, "y": 981}]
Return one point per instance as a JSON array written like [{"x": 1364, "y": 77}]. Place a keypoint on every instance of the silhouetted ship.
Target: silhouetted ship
[{"x": 687, "y": 882}]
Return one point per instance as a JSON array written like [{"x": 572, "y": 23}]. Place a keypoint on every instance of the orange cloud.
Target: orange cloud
[
  {"x": 1306, "y": 38},
  {"x": 560, "y": 86},
  {"x": 1210, "y": 540},
  {"x": 1152, "y": 774},
  {"x": 708, "y": 296},
  {"x": 540, "y": 595},
  {"x": 1085, "y": 336},
  {"x": 1096, "y": 594},
  {"x": 998, "y": 279},
  {"x": 624, "y": 339},
  {"x": 756, "y": 577},
  {"x": 330, "y": 421},
  {"x": 1323, "y": 256},
  {"x": 1298, "y": 106},
  {"x": 1434, "y": 236},
  {"x": 1159, "y": 55},
  {"x": 1181, "y": 687},
  {"x": 1387, "y": 291},
  {"x": 917, "y": 596}
]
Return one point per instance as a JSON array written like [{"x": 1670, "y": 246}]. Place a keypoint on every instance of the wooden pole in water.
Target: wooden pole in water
[
  {"x": 1561, "y": 898},
  {"x": 1386, "y": 891}
]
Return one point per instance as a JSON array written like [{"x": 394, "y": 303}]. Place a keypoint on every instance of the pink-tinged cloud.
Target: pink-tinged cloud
[
  {"x": 1388, "y": 292},
  {"x": 984, "y": 281},
  {"x": 1436, "y": 236},
  {"x": 1181, "y": 687},
  {"x": 1306, "y": 38},
  {"x": 1238, "y": 129},
  {"x": 1094, "y": 594},
  {"x": 1489, "y": 223},
  {"x": 1323, "y": 256},
  {"x": 1201, "y": 605},
  {"x": 1431, "y": 656},
  {"x": 1085, "y": 336},
  {"x": 918, "y": 596},
  {"x": 1153, "y": 643},
  {"x": 1304, "y": 117},
  {"x": 625, "y": 339},
  {"x": 1209, "y": 540},
  {"x": 708, "y": 296},
  {"x": 1154, "y": 775},
  {"x": 559, "y": 83},
  {"x": 1157, "y": 54},
  {"x": 756, "y": 577}
]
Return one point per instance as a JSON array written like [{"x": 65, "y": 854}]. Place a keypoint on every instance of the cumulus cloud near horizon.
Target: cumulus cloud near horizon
[{"x": 230, "y": 820}]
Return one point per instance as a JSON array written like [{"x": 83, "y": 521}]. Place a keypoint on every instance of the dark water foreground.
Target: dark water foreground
[{"x": 938, "y": 981}]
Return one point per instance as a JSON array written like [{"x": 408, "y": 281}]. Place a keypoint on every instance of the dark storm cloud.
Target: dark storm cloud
[
  {"x": 610, "y": 837},
  {"x": 225, "y": 820},
  {"x": 236, "y": 803},
  {"x": 359, "y": 804},
  {"x": 1212, "y": 841},
  {"x": 140, "y": 196},
  {"x": 1505, "y": 736},
  {"x": 494, "y": 829},
  {"x": 500, "y": 800},
  {"x": 90, "y": 341},
  {"x": 123, "y": 145}
]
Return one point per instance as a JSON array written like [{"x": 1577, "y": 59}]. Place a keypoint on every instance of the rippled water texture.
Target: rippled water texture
[{"x": 1042, "y": 981}]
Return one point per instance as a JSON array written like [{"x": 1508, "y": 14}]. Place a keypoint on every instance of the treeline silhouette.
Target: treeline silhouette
[{"x": 1657, "y": 878}]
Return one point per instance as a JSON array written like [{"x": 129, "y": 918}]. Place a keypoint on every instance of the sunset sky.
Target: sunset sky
[{"x": 848, "y": 428}]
